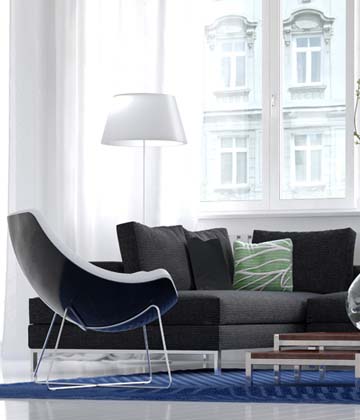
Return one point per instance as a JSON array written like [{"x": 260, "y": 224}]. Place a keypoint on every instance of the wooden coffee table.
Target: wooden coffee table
[
  {"x": 318, "y": 340},
  {"x": 299, "y": 358}
]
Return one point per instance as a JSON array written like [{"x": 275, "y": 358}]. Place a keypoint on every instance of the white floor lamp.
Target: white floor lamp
[{"x": 137, "y": 119}]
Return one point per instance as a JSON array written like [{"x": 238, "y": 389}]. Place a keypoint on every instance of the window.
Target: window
[
  {"x": 233, "y": 161},
  {"x": 308, "y": 59},
  {"x": 307, "y": 159},
  {"x": 287, "y": 71},
  {"x": 233, "y": 63}
]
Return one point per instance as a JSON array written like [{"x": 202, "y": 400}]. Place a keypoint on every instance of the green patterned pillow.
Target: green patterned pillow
[{"x": 263, "y": 266}]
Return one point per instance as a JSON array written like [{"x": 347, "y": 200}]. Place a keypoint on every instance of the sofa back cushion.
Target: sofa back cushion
[
  {"x": 222, "y": 235},
  {"x": 208, "y": 264},
  {"x": 146, "y": 248},
  {"x": 322, "y": 261}
]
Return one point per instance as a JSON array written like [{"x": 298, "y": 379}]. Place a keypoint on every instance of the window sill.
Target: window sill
[{"x": 279, "y": 213}]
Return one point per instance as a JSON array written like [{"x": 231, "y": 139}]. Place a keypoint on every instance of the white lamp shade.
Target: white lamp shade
[{"x": 138, "y": 117}]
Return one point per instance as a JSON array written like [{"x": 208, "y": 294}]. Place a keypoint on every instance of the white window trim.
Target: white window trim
[
  {"x": 232, "y": 55},
  {"x": 272, "y": 75},
  {"x": 233, "y": 150},
  {"x": 307, "y": 148},
  {"x": 307, "y": 50}
]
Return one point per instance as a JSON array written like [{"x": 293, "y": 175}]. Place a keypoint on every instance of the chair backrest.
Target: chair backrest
[{"x": 41, "y": 261}]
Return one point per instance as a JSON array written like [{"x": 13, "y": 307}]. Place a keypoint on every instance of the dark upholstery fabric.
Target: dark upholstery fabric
[
  {"x": 192, "y": 308},
  {"x": 328, "y": 309},
  {"x": 249, "y": 307},
  {"x": 144, "y": 249},
  {"x": 186, "y": 337},
  {"x": 209, "y": 268},
  {"x": 222, "y": 235},
  {"x": 330, "y": 327},
  {"x": 116, "y": 266},
  {"x": 322, "y": 261},
  {"x": 253, "y": 336}
]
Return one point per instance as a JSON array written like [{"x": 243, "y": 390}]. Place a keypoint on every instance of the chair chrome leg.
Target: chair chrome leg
[
  {"x": 44, "y": 348},
  {"x": 57, "y": 385}
]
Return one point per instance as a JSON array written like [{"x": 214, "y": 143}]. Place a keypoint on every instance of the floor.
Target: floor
[{"x": 111, "y": 410}]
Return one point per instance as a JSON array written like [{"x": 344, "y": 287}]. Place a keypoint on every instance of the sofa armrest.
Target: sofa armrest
[
  {"x": 117, "y": 266},
  {"x": 356, "y": 270}
]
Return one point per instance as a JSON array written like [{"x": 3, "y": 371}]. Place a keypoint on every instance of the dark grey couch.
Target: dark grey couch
[{"x": 210, "y": 320}]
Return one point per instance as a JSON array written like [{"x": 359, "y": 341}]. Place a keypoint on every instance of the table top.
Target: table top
[
  {"x": 331, "y": 336},
  {"x": 305, "y": 354}
]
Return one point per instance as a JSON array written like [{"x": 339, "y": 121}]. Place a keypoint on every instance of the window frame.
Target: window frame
[
  {"x": 272, "y": 126},
  {"x": 308, "y": 57},
  {"x": 232, "y": 55},
  {"x": 234, "y": 150},
  {"x": 307, "y": 148}
]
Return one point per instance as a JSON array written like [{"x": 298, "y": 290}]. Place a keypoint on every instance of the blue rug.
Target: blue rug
[{"x": 337, "y": 388}]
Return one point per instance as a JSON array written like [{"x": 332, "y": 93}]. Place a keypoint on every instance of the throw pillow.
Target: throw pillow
[
  {"x": 222, "y": 235},
  {"x": 146, "y": 248},
  {"x": 209, "y": 268},
  {"x": 265, "y": 266},
  {"x": 323, "y": 260}
]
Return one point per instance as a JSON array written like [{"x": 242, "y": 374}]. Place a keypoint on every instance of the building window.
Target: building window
[
  {"x": 233, "y": 63},
  {"x": 233, "y": 161},
  {"x": 307, "y": 60},
  {"x": 307, "y": 159}
]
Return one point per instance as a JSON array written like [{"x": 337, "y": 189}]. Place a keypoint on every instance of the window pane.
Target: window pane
[
  {"x": 230, "y": 110},
  {"x": 241, "y": 167},
  {"x": 239, "y": 45},
  {"x": 315, "y": 139},
  {"x": 315, "y": 66},
  {"x": 306, "y": 104},
  {"x": 301, "y": 42},
  {"x": 225, "y": 70},
  {"x": 301, "y": 67},
  {"x": 300, "y": 140},
  {"x": 300, "y": 165},
  {"x": 241, "y": 142},
  {"x": 226, "y": 168},
  {"x": 240, "y": 71},
  {"x": 226, "y": 142},
  {"x": 316, "y": 165},
  {"x": 315, "y": 41},
  {"x": 227, "y": 46}
]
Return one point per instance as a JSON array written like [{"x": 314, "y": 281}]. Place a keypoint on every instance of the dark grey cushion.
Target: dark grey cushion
[
  {"x": 208, "y": 265},
  {"x": 322, "y": 261},
  {"x": 250, "y": 307},
  {"x": 222, "y": 235},
  {"x": 144, "y": 249},
  {"x": 192, "y": 308},
  {"x": 327, "y": 309}
]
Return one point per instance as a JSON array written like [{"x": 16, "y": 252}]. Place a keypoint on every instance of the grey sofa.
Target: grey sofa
[{"x": 208, "y": 321}]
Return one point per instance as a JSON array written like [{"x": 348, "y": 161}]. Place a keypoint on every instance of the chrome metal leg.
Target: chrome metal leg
[
  {"x": 218, "y": 364},
  {"x": 58, "y": 385},
  {"x": 248, "y": 369},
  {"x": 297, "y": 373},
  {"x": 277, "y": 374},
  {"x": 204, "y": 358},
  {"x": 35, "y": 372}
]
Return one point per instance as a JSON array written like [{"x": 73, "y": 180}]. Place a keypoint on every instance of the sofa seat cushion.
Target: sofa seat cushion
[
  {"x": 192, "y": 308},
  {"x": 328, "y": 308},
  {"x": 253, "y": 307}
]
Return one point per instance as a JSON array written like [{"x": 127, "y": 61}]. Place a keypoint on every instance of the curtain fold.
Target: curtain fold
[{"x": 67, "y": 60}]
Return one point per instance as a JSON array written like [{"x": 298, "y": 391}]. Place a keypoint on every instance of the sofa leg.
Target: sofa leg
[
  {"x": 217, "y": 363},
  {"x": 34, "y": 361}
]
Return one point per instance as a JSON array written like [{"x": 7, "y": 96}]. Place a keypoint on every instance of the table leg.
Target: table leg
[
  {"x": 277, "y": 374},
  {"x": 297, "y": 373},
  {"x": 248, "y": 368}
]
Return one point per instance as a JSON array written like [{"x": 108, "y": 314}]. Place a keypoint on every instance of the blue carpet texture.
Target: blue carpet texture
[{"x": 201, "y": 385}]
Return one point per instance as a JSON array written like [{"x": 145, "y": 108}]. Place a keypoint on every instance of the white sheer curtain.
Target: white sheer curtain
[{"x": 68, "y": 58}]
